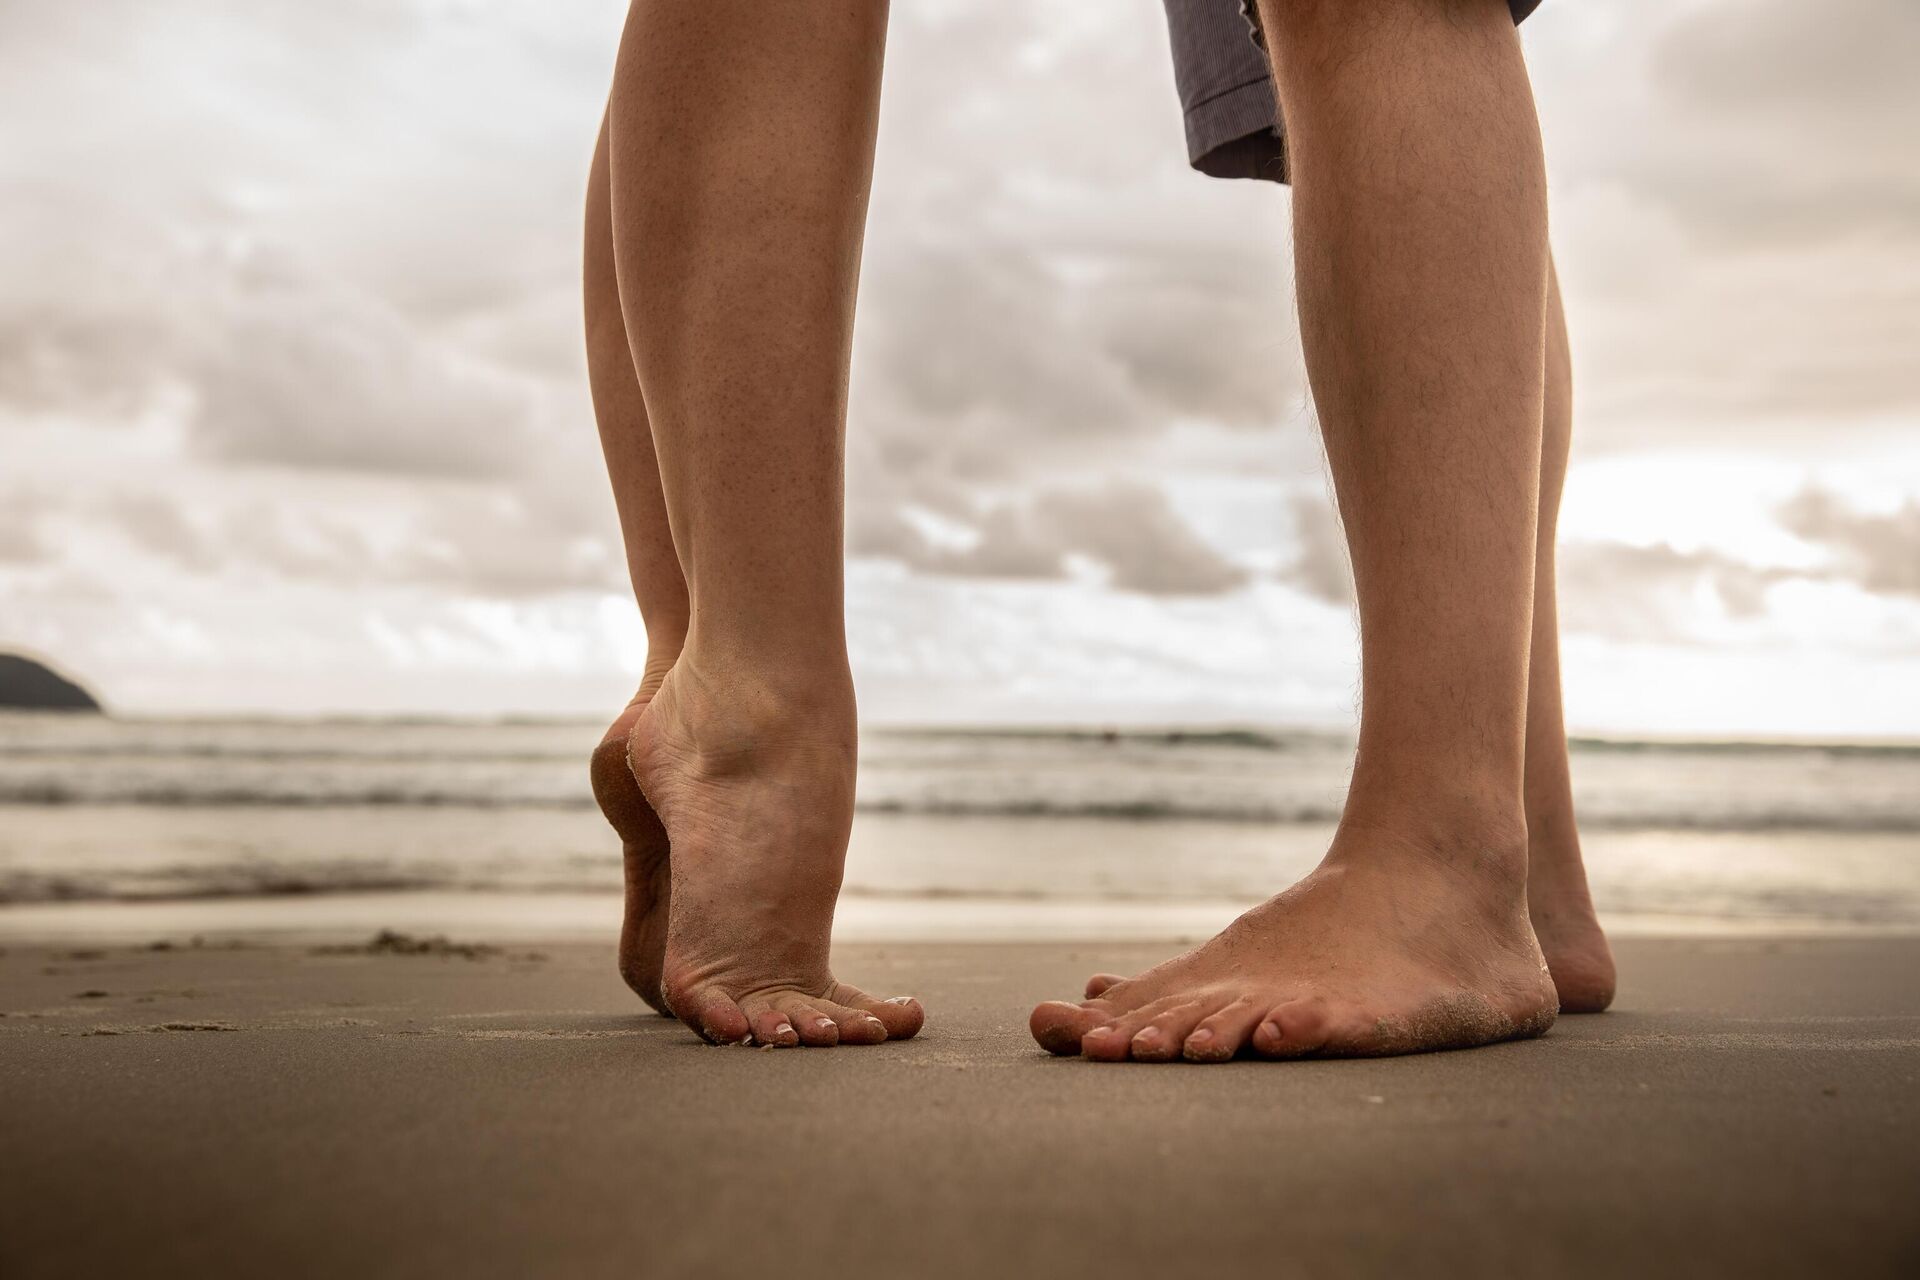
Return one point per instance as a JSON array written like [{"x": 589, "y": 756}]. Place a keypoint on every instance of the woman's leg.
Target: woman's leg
[
  {"x": 658, "y": 586},
  {"x": 740, "y": 151}
]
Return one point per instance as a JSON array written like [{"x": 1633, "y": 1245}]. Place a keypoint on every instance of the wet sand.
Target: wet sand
[{"x": 1753, "y": 1107}]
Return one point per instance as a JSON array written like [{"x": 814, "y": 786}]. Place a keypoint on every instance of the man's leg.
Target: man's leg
[
  {"x": 1570, "y": 936},
  {"x": 658, "y": 586},
  {"x": 1421, "y": 259},
  {"x": 1562, "y": 910},
  {"x": 740, "y": 152}
]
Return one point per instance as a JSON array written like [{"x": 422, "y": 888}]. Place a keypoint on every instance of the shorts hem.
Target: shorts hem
[{"x": 1236, "y": 133}]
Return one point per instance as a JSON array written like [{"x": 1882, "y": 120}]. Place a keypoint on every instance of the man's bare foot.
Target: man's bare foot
[
  {"x": 1561, "y": 911},
  {"x": 754, "y": 788},
  {"x": 1564, "y": 920},
  {"x": 643, "y": 843},
  {"x": 1390, "y": 946}
]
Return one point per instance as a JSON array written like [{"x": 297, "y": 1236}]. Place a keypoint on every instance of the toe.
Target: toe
[
  {"x": 770, "y": 1026},
  {"x": 1113, "y": 1040},
  {"x": 1354, "y": 1033},
  {"x": 855, "y": 1026},
  {"x": 1106, "y": 1043},
  {"x": 811, "y": 1023},
  {"x": 1161, "y": 1039},
  {"x": 902, "y": 1016},
  {"x": 1059, "y": 1026},
  {"x": 714, "y": 1015},
  {"x": 1291, "y": 1029},
  {"x": 1099, "y": 982},
  {"x": 1219, "y": 1036}
]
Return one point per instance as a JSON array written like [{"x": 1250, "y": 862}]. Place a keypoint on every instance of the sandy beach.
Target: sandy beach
[{"x": 1752, "y": 1107}]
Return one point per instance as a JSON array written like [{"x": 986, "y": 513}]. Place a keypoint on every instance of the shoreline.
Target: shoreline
[
  {"x": 862, "y": 917},
  {"x": 1750, "y": 1107}
]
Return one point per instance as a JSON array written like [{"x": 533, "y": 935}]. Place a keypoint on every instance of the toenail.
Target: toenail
[
  {"x": 783, "y": 1029},
  {"x": 1200, "y": 1037},
  {"x": 898, "y": 1000},
  {"x": 1147, "y": 1037}
]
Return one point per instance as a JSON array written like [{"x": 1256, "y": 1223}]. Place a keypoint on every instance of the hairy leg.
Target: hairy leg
[
  {"x": 1557, "y": 896},
  {"x": 658, "y": 586},
  {"x": 1421, "y": 260},
  {"x": 740, "y": 152},
  {"x": 1558, "y": 900}
]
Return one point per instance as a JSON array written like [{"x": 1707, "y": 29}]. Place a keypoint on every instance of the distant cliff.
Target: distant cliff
[{"x": 26, "y": 685}]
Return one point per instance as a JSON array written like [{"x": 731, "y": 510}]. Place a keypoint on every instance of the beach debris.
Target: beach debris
[
  {"x": 93, "y": 993},
  {"x": 198, "y": 942},
  {"x": 158, "y": 1027},
  {"x": 391, "y": 942}
]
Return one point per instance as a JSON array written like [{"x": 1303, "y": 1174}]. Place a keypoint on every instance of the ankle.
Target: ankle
[
  {"x": 790, "y": 657},
  {"x": 1477, "y": 839},
  {"x": 731, "y": 708},
  {"x": 653, "y": 675},
  {"x": 1551, "y": 831}
]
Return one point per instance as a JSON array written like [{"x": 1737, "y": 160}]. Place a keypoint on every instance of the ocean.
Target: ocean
[{"x": 230, "y": 825}]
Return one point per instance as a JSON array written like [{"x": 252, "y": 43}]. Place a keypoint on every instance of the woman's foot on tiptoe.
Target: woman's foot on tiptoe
[
  {"x": 1393, "y": 945},
  {"x": 751, "y": 780},
  {"x": 643, "y": 843}
]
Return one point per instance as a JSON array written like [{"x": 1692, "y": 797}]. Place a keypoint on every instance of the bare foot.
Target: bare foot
[
  {"x": 1569, "y": 931},
  {"x": 1563, "y": 918},
  {"x": 643, "y": 843},
  {"x": 754, "y": 789},
  {"x": 1388, "y": 947}
]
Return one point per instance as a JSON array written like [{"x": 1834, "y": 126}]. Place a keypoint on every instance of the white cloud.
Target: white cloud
[
  {"x": 1735, "y": 215},
  {"x": 1880, "y": 551},
  {"x": 290, "y": 373},
  {"x": 1130, "y": 531}
]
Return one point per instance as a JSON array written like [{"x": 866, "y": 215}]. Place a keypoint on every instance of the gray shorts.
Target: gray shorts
[{"x": 1226, "y": 87}]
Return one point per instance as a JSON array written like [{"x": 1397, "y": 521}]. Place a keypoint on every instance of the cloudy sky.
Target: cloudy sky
[{"x": 293, "y": 417}]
